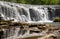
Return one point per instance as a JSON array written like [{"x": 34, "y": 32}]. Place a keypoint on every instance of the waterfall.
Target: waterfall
[{"x": 21, "y": 13}]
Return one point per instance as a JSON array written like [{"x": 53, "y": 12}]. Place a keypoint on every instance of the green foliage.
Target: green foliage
[
  {"x": 21, "y": 1},
  {"x": 29, "y": 1},
  {"x": 54, "y": 2},
  {"x": 39, "y": 2}
]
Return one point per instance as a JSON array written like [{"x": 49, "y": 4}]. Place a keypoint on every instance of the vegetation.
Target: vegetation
[
  {"x": 57, "y": 19},
  {"x": 36, "y": 2}
]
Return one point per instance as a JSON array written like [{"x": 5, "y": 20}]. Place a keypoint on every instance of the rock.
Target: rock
[
  {"x": 57, "y": 19},
  {"x": 52, "y": 37},
  {"x": 42, "y": 27},
  {"x": 33, "y": 31},
  {"x": 1, "y": 34}
]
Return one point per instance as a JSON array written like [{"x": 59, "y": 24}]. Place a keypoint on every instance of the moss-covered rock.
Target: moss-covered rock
[{"x": 57, "y": 19}]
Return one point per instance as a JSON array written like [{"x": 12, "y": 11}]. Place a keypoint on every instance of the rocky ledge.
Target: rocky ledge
[{"x": 50, "y": 31}]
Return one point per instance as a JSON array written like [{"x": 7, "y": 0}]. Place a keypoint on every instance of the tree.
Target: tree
[
  {"x": 37, "y": 2},
  {"x": 29, "y": 1},
  {"x": 54, "y": 2},
  {"x": 21, "y": 1}
]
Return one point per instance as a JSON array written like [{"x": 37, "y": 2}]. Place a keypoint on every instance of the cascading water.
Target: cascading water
[{"x": 23, "y": 13}]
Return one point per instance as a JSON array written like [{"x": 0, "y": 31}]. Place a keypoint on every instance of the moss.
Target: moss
[{"x": 57, "y": 19}]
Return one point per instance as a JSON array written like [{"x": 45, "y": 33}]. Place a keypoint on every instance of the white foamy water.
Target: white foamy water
[{"x": 23, "y": 13}]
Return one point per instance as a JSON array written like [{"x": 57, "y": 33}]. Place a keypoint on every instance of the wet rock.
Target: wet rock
[
  {"x": 32, "y": 31},
  {"x": 32, "y": 26},
  {"x": 52, "y": 37},
  {"x": 42, "y": 27},
  {"x": 1, "y": 34}
]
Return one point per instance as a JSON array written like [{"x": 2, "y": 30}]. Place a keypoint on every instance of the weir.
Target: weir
[{"x": 24, "y": 13}]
